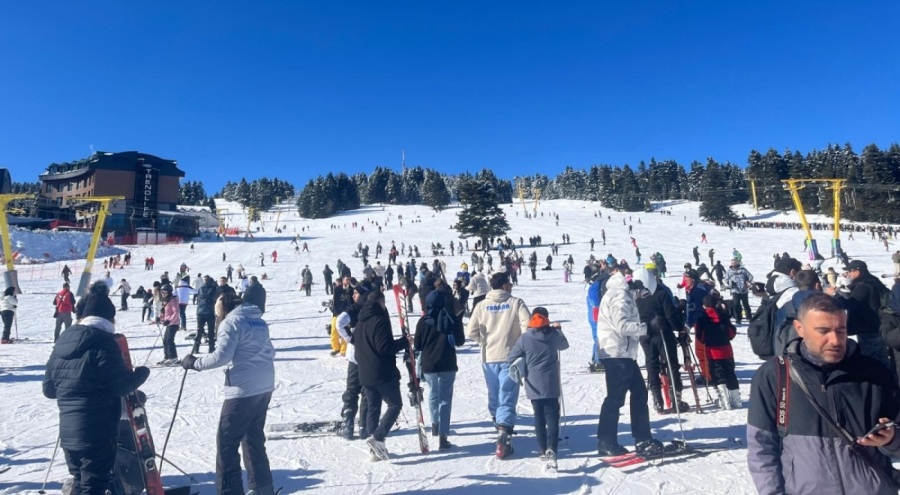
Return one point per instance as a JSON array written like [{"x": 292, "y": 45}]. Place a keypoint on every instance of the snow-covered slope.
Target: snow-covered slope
[{"x": 310, "y": 382}]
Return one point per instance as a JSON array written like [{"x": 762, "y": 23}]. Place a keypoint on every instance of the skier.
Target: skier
[
  {"x": 719, "y": 272},
  {"x": 183, "y": 291},
  {"x": 592, "y": 243},
  {"x": 228, "y": 272},
  {"x": 65, "y": 304},
  {"x": 715, "y": 331},
  {"x": 206, "y": 314},
  {"x": 125, "y": 289},
  {"x": 306, "y": 279},
  {"x": 8, "y": 305},
  {"x": 328, "y": 273},
  {"x": 195, "y": 285},
  {"x": 495, "y": 326},
  {"x": 696, "y": 253},
  {"x": 594, "y": 295},
  {"x": 66, "y": 272},
  {"x": 88, "y": 377},
  {"x": 170, "y": 317},
  {"x": 712, "y": 254},
  {"x": 703, "y": 238},
  {"x": 438, "y": 333},
  {"x": 376, "y": 352},
  {"x": 738, "y": 280},
  {"x": 353, "y": 398},
  {"x": 618, "y": 330},
  {"x": 658, "y": 313},
  {"x": 244, "y": 343},
  {"x": 255, "y": 294},
  {"x": 274, "y": 256},
  {"x": 539, "y": 349}
]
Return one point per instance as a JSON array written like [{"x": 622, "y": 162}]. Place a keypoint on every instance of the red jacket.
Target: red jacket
[
  {"x": 64, "y": 301},
  {"x": 715, "y": 331}
]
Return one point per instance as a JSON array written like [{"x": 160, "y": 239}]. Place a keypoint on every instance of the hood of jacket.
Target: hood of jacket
[
  {"x": 781, "y": 282},
  {"x": 497, "y": 296},
  {"x": 616, "y": 281},
  {"x": 82, "y": 337},
  {"x": 371, "y": 309},
  {"x": 246, "y": 311}
]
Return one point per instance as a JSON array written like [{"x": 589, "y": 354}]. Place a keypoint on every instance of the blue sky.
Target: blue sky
[{"x": 295, "y": 89}]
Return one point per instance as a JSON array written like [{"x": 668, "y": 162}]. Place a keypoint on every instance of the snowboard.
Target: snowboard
[
  {"x": 415, "y": 395},
  {"x": 136, "y": 467}
]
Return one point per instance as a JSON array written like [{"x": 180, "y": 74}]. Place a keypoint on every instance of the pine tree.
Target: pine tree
[
  {"x": 434, "y": 191},
  {"x": 481, "y": 216},
  {"x": 716, "y": 204}
]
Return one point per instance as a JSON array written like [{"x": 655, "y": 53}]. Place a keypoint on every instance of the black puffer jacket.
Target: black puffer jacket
[
  {"x": 863, "y": 305},
  {"x": 376, "y": 348},
  {"x": 87, "y": 377},
  {"x": 256, "y": 294},
  {"x": 206, "y": 298}
]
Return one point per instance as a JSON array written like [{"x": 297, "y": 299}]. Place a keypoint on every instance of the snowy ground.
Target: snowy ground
[{"x": 309, "y": 381}]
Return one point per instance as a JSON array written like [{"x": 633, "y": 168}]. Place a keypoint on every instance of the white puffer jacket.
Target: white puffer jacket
[
  {"x": 478, "y": 285},
  {"x": 619, "y": 326}
]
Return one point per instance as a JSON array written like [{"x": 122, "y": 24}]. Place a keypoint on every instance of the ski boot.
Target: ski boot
[
  {"x": 682, "y": 405},
  {"x": 610, "y": 449},
  {"x": 734, "y": 396},
  {"x": 504, "y": 444},
  {"x": 649, "y": 448},
  {"x": 658, "y": 404}
]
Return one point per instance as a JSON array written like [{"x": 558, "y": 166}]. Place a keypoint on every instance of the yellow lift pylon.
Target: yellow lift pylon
[
  {"x": 11, "y": 277},
  {"x": 102, "y": 213},
  {"x": 794, "y": 186},
  {"x": 219, "y": 212}
]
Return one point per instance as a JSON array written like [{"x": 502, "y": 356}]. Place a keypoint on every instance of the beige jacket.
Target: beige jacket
[{"x": 496, "y": 324}]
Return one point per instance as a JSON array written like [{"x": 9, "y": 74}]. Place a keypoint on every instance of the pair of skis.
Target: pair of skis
[
  {"x": 415, "y": 394},
  {"x": 675, "y": 450}
]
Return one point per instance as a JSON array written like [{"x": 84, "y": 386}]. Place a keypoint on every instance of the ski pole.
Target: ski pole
[
  {"x": 562, "y": 399},
  {"x": 674, "y": 393},
  {"x": 153, "y": 348},
  {"x": 49, "y": 467},
  {"x": 705, "y": 383},
  {"x": 174, "y": 415},
  {"x": 16, "y": 321},
  {"x": 193, "y": 480}
]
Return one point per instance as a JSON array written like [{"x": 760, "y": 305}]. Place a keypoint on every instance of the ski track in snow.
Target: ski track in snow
[{"x": 309, "y": 382}]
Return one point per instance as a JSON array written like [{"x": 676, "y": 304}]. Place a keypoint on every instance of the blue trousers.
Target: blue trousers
[
  {"x": 503, "y": 393},
  {"x": 595, "y": 356},
  {"x": 440, "y": 398}
]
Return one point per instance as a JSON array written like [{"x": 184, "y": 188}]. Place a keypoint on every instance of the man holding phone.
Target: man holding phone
[{"x": 812, "y": 422}]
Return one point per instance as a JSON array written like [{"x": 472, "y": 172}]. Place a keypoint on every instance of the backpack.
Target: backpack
[
  {"x": 785, "y": 331},
  {"x": 761, "y": 331}
]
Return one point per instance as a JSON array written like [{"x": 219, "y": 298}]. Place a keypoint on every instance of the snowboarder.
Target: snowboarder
[
  {"x": 244, "y": 343},
  {"x": 88, "y": 377}
]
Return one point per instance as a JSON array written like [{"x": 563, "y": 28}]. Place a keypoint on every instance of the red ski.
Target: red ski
[
  {"x": 415, "y": 395},
  {"x": 140, "y": 444}
]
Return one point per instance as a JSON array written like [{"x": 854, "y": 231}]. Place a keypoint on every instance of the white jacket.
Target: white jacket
[
  {"x": 184, "y": 291},
  {"x": 478, "y": 285},
  {"x": 619, "y": 326},
  {"x": 496, "y": 324},
  {"x": 9, "y": 303}
]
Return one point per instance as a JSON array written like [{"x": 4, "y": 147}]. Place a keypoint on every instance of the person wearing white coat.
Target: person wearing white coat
[
  {"x": 8, "y": 305},
  {"x": 619, "y": 330}
]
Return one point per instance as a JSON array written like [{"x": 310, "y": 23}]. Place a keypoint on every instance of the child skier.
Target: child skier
[
  {"x": 538, "y": 349},
  {"x": 715, "y": 331}
]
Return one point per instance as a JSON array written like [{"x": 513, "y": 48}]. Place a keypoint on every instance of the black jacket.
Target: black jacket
[
  {"x": 658, "y": 311},
  {"x": 376, "y": 348},
  {"x": 863, "y": 305},
  {"x": 438, "y": 354},
  {"x": 255, "y": 294},
  {"x": 206, "y": 298},
  {"x": 87, "y": 376}
]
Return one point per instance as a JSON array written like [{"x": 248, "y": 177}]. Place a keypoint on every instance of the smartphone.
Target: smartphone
[{"x": 879, "y": 427}]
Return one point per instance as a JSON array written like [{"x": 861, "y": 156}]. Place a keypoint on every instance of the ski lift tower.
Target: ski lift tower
[
  {"x": 102, "y": 213},
  {"x": 794, "y": 186},
  {"x": 11, "y": 277}
]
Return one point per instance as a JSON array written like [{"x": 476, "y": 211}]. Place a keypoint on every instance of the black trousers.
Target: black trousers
[
  {"x": 722, "y": 371},
  {"x": 182, "y": 312},
  {"x": 92, "y": 468},
  {"x": 7, "y": 317},
  {"x": 354, "y": 400},
  {"x": 654, "y": 346},
  {"x": 125, "y": 301},
  {"x": 241, "y": 424},
  {"x": 169, "y": 351},
  {"x": 546, "y": 423},
  {"x": 308, "y": 289},
  {"x": 207, "y": 324},
  {"x": 389, "y": 392},
  {"x": 622, "y": 376},
  {"x": 737, "y": 302}
]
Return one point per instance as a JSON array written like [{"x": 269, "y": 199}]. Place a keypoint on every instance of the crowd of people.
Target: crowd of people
[{"x": 630, "y": 310}]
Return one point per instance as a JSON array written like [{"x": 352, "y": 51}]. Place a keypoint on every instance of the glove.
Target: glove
[{"x": 188, "y": 362}]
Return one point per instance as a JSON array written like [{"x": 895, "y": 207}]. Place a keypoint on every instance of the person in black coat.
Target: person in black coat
[
  {"x": 376, "y": 358},
  {"x": 438, "y": 333},
  {"x": 255, "y": 294},
  {"x": 863, "y": 304},
  {"x": 206, "y": 314},
  {"x": 88, "y": 377}
]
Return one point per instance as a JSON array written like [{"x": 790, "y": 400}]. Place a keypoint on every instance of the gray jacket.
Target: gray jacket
[
  {"x": 539, "y": 346},
  {"x": 809, "y": 458},
  {"x": 243, "y": 341}
]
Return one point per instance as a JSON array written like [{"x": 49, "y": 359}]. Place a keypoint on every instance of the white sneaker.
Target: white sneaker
[
  {"x": 734, "y": 398},
  {"x": 378, "y": 448}
]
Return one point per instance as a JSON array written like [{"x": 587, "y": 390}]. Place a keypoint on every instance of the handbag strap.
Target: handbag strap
[{"x": 842, "y": 432}]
